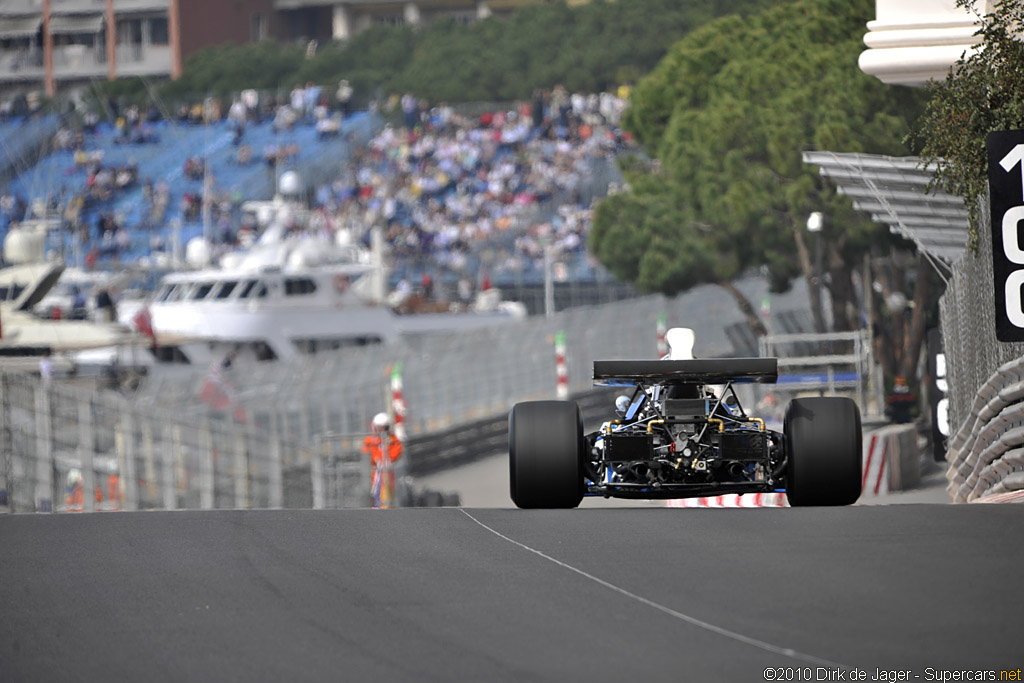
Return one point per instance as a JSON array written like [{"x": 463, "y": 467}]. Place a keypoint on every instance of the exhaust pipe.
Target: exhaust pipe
[{"x": 735, "y": 469}]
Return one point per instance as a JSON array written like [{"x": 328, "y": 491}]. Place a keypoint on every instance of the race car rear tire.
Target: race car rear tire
[
  {"x": 823, "y": 448},
  {"x": 545, "y": 454}
]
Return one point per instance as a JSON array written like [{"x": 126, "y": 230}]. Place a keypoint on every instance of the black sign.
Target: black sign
[{"x": 1005, "y": 174}]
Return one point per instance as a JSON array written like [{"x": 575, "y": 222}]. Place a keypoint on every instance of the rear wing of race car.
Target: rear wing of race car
[{"x": 698, "y": 371}]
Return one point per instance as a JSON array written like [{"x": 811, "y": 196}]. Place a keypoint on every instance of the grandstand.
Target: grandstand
[
  {"x": 20, "y": 139},
  {"x": 56, "y": 178},
  {"x": 58, "y": 170}
]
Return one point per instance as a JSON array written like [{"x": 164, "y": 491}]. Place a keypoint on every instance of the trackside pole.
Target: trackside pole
[
  {"x": 398, "y": 410},
  {"x": 398, "y": 402},
  {"x": 562, "y": 386}
]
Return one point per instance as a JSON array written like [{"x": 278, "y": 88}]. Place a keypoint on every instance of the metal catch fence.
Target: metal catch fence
[
  {"x": 967, "y": 308},
  {"x": 983, "y": 373},
  {"x": 293, "y": 432},
  {"x": 66, "y": 448}
]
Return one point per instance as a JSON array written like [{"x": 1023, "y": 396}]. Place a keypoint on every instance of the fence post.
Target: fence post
[
  {"x": 44, "y": 449},
  {"x": 274, "y": 477},
  {"x": 206, "y": 477},
  {"x": 129, "y": 483},
  {"x": 316, "y": 472},
  {"x": 6, "y": 445},
  {"x": 241, "y": 469},
  {"x": 86, "y": 446},
  {"x": 171, "y": 456},
  {"x": 147, "y": 453}
]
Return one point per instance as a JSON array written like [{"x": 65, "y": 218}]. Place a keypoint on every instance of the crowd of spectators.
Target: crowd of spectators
[
  {"x": 460, "y": 198},
  {"x": 479, "y": 196}
]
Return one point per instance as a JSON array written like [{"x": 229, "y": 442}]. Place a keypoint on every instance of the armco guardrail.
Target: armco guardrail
[
  {"x": 986, "y": 455},
  {"x": 483, "y": 438}
]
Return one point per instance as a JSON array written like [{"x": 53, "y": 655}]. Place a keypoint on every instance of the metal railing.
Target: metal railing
[{"x": 831, "y": 362}]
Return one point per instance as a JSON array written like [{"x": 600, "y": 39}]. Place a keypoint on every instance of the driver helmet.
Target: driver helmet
[{"x": 381, "y": 422}]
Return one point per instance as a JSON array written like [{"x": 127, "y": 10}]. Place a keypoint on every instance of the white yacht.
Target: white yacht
[
  {"x": 288, "y": 294},
  {"x": 25, "y": 336}
]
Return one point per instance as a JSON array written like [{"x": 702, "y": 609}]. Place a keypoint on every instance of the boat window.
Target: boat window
[
  {"x": 263, "y": 350},
  {"x": 298, "y": 285},
  {"x": 310, "y": 346},
  {"x": 254, "y": 289},
  {"x": 202, "y": 290},
  {"x": 177, "y": 292},
  {"x": 225, "y": 290},
  {"x": 3, "y": 294},
  {"x": 164, "y": 292},
  {"x": 16, "y": 291}
]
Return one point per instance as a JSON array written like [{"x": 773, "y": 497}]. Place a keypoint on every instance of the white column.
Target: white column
[
  {"x": 411, "y": 13},
  {"x": 341, "y": 23}
]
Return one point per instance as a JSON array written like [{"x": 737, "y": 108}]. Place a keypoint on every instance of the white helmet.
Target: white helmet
[{"x": 381, "y": 422}]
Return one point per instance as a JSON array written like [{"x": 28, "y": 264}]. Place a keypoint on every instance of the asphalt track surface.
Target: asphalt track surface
[{"x": 448, "y": 594}]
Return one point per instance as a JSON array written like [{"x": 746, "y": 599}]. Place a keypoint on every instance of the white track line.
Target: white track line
[{"x": 693, "y": 621}]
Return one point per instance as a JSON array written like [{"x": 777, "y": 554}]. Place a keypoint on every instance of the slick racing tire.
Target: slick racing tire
[
  {"x": 545, "y": 454},
  {"x": 823, "y": 448}
]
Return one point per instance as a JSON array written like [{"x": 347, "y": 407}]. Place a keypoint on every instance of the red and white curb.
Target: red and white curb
[
  {"x": 732, "y": 500},
  {"x": 875, "y": 482}
]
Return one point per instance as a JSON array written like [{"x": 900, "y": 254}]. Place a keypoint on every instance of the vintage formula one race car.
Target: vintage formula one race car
[{"x": 675, "y": 437}]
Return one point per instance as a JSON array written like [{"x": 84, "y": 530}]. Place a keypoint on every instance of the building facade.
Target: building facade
[
  {"x": 913, "y": 41},
  {"x": 50, "y": 45},
  {"x": 45, "y": 44}
]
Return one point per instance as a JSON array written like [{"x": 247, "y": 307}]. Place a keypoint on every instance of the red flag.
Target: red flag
[
  {"x": 144, "y": 323},
  {"x": 212, "y": 392},
  {"x": 219, "y": 394}
]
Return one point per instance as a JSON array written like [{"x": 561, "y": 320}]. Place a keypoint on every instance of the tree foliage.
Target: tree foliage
[
  {"x": 981, "y": 94},
  {"x": 587, "y": 48},
  {"x": 726, "y": 114}
]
